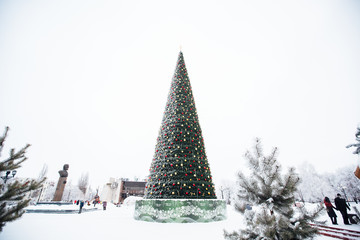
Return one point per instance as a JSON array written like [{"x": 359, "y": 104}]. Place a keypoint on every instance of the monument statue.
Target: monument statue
[
  {"x": 61, "y": 183},
  {"x": 357, "y": 151}
]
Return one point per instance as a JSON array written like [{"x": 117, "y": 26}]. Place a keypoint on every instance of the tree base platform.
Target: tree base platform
[{"x": 180, "y": 210}]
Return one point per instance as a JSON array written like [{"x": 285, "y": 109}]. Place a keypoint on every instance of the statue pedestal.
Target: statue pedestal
[
  {"x": 61, "y": 183},
  {"x": 60, "y": 189},
  {"x": 180, "y": 210}
]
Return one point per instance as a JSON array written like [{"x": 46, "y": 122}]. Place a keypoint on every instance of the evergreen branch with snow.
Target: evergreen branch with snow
[{"x": 13, "y": 193}]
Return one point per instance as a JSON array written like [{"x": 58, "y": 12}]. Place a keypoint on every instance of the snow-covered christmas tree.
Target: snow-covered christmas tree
[
  {"x": 180, "y": 168},
  {"x": 266, "y": 198}
]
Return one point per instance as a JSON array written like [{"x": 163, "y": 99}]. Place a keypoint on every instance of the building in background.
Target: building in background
[
  {"x": 131, "y": 188},
  {"x": 117, "y": 190},
  {"x": 47, "y": 191},
  {"x": 111, "y": 191}
]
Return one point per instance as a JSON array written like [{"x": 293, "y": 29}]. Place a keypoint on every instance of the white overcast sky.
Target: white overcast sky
[{"x": 86, "y": 82}]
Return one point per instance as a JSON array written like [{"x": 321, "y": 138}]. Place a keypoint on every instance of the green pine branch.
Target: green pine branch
[{"x": 13, "y": 193}]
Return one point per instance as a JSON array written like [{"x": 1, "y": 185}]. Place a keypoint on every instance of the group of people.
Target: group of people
[
  {"x": 81, "y": 204},
  {"x": 340, "y": 205}
]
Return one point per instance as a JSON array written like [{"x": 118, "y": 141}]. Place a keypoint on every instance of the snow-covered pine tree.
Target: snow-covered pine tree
[
  {"x": 12, "y": 194},
  {"x": 270, "y": 196},
  {"x": 313, "y": 186}
]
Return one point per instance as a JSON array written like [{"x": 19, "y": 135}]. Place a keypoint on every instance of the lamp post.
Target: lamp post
[{"x": 7, "y": 175}]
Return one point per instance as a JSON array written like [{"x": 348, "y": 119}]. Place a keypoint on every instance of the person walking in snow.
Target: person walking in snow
[
  {"x": 341, "y": 206},
  {"x": 330, "y": 210},
  {"x": 104, "y": 205},
  {"x": 81, "y": 206}
]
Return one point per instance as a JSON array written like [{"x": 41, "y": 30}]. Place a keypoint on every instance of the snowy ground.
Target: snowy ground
[{"x": 118, "y": 223}]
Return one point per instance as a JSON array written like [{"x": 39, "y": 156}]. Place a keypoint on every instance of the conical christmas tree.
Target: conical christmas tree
[{"x": 180, "y": 168}]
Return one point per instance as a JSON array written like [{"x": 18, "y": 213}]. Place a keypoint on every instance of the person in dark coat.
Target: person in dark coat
[
  {"x": 81, "y": 206},
  {"x": 341, "y": 206},
  {"x": 330, "y": 210}
]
